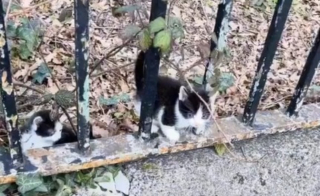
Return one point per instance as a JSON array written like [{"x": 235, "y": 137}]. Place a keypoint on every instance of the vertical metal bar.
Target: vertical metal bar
[
  {"x": 308, "y": 72},
  {"x": 151, "y": 64},
  {"x": 221, "y": 30},
  {"x": 274, "y": 34},
  {"x": 81, "y": 8},
  {"x": 7, "y": 94}
]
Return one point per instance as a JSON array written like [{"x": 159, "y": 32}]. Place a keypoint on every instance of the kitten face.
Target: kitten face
[
  {"x": 193, "y": 108},
  {"x": 42, "y": 132},
  {"x": 46, "y": 128}
]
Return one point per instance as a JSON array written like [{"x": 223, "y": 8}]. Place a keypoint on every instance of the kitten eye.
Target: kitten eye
[
  {"x": 189, "y": 115},
  {"x": 206, "y": 115}
]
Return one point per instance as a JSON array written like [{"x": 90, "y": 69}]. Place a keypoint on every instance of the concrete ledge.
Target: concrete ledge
[{"x": 125, "y": 148}]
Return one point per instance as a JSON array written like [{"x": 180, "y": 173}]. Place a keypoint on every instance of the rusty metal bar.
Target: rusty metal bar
[
  {"x": 125, "y": 148},
  {"x": 151, "y": 64},
  {"x": 306, "y": 77},
  {"x": 8, "y": 98},
  {"x": 81, "y": 8},
  {"x": 221, "y": 30},
  {"x": 274, "y": 34}
]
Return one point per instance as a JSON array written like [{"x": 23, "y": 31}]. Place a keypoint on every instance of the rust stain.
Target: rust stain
[
  {"x": 91, "y": 164},
  {"x": 8, "y": 88},
  {"x": 7, "y": 179},
  {"x": 39, "y": 152},
  {"x": 2, "y": 39}
]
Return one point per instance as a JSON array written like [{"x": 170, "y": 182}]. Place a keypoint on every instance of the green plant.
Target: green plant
[
  {"x": 109, "y": 177},
  {"x": 159, "y": 32},
  {"x": 26, "y": 35}
]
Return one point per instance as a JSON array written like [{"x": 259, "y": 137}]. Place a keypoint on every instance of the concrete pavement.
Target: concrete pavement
[{"x": 286, "y": 164}]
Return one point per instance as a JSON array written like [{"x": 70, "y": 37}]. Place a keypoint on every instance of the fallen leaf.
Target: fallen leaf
[
  {"x": 122, "y": 183},
  {"x": 220, "y": 149}
]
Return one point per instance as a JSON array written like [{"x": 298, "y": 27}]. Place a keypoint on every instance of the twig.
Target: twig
[
  {"x": 176, "y": 67},
  {"x": 171, "y": 4},
  {"x": 138, "y": 13},
  {"x": 57, "y": 85},
  {"x": 243, "y": 154},
  {"x": 16, "y": 83},
  {"x": 7, "y": 12},
  {"x": 69, "y": 119},
  {"x": 112, "y": 69},
  {"x": 45, "y": 62},
  {"x": 211, "y": 113},
  {"x": 30, "y": 8},
  {"x": 193, "y": 65},
  {"x": 219, "y": 129},
  {"x": 267, "y": 106},
  {"x": 112, "y": 53},
  {"x": 205, "y": 14}
]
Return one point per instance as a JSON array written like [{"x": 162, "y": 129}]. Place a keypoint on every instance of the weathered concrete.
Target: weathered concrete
[
  {"x": 287, "y": 164},
  {"x": 125, "y": 148}
]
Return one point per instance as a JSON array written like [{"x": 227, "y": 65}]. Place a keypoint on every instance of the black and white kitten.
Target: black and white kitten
[
  {"x": 41, "y": 131},
  {"x": 176, "y": 106}
]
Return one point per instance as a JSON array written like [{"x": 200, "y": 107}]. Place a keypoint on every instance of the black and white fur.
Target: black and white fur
[
  {"x": 176, "y": 106},
  {"x": 41, "y": 131}
]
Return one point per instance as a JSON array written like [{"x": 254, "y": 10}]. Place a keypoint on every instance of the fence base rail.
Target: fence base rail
[{"x": 125, "y": 148}]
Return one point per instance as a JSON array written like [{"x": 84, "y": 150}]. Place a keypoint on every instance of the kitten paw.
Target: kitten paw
[
  {"x": 199, "y": 131},
  {"x": 173, "y": 136}
]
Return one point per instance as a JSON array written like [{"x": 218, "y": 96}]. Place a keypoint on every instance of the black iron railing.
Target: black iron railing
[
  {"x": 8, "y": 99},
  {"x": 270, "y": 47},
  {"x": 152, "y": 61},
  {"x": 81, "y": 8},
  {"x": 151, "y": 64}
]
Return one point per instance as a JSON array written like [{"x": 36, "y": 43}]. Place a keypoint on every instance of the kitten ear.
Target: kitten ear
[
  {"x": 183, "y": 95},
  {"x": 37, "y": 120}
]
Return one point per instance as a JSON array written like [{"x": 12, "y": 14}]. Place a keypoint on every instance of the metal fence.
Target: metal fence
[{"x": 158, "y": 8}]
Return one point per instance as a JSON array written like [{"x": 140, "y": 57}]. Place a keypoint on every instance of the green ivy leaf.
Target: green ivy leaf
[
  {"x": 4, "y": 187},
  {"x": 129, "y": 31},
  {"x": 25, "y": 33},
  {"x": 42, "y": 188},
  {"x": 114, "y": 170},
  {"x": 29, "y": 36},
  {"x": 102, "y": 179},
  {"x": 69, "y": 180},
  {"x": 15, "y": 7},
  {"x": 42, "y": 73},
  {"x": 11, "y": 29},
  {"x": 28, "y": 182},
  {"x": 28, "y": 31},
  {"x": 115, "y": 99},
  {"x": 64, "y": 190},
  {"x": 126, "y": 9},
  {"x": 157, "y": 25},
  {"x": 24, "y": 51},
  {"x": 220, "y": 149},
  {"x": 162, "y": 40},
  {"x": 176, "y": 27},
  {"x": 24, "y": 21},
  {"x": 226, "y": 81},
  {"x": 145, "y": 39},
  {"x": 149, "y": 166}
]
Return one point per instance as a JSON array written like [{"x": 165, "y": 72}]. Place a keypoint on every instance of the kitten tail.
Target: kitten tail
[{"x": 139, "y": 71}]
